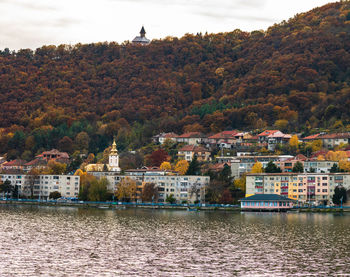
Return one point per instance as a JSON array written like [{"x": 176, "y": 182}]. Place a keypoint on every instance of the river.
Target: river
[{"x": 49, "y": 241}]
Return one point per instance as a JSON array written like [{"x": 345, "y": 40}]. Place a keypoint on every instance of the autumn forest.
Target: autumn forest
[{"x": 294, "y": 76}]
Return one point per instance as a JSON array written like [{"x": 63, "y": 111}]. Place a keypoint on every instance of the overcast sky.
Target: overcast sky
[{"x": 33, "y": 23}]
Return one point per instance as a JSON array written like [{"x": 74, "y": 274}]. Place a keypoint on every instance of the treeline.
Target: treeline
[{"x": 294, "y": 76}]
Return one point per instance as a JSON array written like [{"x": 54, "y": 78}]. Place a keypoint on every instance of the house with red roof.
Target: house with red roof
[
  {"x": 272, "y": 138},
  {"x": 311, "y": 137},
  {"x": 36, "y": 163},
  {"x": 17, "y": 164},
  {"x": 331, "y": 140},
  {"x": 161, "y": 138},
  {"x": 188, "y": 152},
  {"x": 54, "y": 155}
]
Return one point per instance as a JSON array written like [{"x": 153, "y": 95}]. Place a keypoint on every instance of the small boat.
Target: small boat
[{"x": 192, "y": 209}]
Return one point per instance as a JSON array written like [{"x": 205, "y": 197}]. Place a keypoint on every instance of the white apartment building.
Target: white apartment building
[
  {"x": 188, "y": 188},
  {"x": 43, "y": 185}
]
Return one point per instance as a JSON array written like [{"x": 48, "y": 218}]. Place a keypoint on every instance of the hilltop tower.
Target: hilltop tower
[
  {"x": 141, "y": 40},
  {"x": 114, "y": 158}
]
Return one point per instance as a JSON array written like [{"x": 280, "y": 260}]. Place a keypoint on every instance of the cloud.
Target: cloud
[{"x": 25, "y": 4}]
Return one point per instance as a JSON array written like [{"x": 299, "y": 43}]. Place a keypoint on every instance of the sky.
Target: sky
[{"x": 33, "y": 23}]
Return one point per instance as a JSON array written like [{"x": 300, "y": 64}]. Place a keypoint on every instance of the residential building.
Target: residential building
[
  {"x": 17, "y": 165},
  {"x": 54, "y": 155},
  {"x": 191, "y": 138},
  {"x": 315, "y": 188},
  {"x": 247, "y": 162},
  {"x": 332, "y": 140},
  {"x": 161, "y": 138},
  {"x": 319, "y": 166},
  {"x": 272, "y": 138},
  {"x": 188, "y": 152},
  {"x": 36, "y": 163},
  {"x": 188, "y": 188},
  {"x": 43, "y": 185}
]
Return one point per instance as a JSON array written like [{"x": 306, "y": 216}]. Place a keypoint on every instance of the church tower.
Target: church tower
[
  {"x": 114, "y": 158},
  {"x": 141, "y": 40}
]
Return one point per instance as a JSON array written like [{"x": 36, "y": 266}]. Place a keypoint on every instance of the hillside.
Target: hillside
[{"x": 295, "y": 76}]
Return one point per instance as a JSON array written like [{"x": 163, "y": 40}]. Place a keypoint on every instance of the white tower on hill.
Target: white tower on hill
[{"x": 114, "y": 158}]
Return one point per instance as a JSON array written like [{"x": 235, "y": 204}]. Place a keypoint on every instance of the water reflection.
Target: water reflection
[{"x": 91, "y": 242}]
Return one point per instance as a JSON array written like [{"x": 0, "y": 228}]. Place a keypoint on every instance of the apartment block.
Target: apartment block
[
  {"x": 43, "y": 185},
  {"x": 315, "y": 188},
  {"x": 188, "y": 188}
]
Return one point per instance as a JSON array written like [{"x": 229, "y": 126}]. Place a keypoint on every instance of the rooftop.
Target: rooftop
[
  {"x": 266, "y": 197},
  {"x": 192, "y": 135},
  {"x": 193, "y": 148},
  {"x": 335, "y": 136},
  {"x": 225, "y": 135}
]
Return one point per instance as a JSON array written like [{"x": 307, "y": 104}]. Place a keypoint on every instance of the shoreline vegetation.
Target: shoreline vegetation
[{"x": 189, "y": 207}]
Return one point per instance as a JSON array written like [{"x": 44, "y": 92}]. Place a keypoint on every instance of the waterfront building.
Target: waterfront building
[
  {"x": 266, "y": 202},
  {"x": 315, "y": 188},
  {"x": 187, "y": 188},
  {"x": 43, "y": 185}
]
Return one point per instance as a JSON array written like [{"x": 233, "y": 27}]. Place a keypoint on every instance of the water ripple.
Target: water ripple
[{"x": 45, "y": 241}]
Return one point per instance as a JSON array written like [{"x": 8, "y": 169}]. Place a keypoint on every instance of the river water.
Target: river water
[{"x": 48, "y": 241}]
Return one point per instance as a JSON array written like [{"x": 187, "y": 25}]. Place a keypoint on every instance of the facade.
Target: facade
[
  {"x": 272, "y": 138},
  {"x": 161, "y": 138},
  {"x": 184, "y": 188},
  {"x": 243, "y": 164},
  {"x": 191, "y": 138},
  {"x": 43, "y": 185},
  {"x": 319, "y": 166},
  {"x": 54, "y": 155},
  {"x": 36, "y": 163},
  {"x": 141, "y": 40},
  {"x": 332, "y": 140},
  {"x": 246, "y": 163},
  {"x": 188, "y": 152},
  {"x": 315, "y": 188},
  {"x": 14, "y": 165},
  {"x": 266, "y": 202}
]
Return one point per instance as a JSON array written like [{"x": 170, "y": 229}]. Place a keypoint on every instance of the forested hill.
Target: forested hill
[{"x": 295, "y": 75}]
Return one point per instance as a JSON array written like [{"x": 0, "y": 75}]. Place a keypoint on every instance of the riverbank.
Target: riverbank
[{"x": 197, "y": 207}]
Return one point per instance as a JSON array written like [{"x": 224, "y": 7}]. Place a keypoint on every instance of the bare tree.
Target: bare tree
[
  {"x": 31, "y": 179},
  {"x": 149, "y": 193},
  {"x": 195, "y": 189}
]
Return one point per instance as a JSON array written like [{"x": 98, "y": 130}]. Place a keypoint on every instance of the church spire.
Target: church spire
[
  {"x": 142, "y": 32},
  {"x": 114, "y": 148}
]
